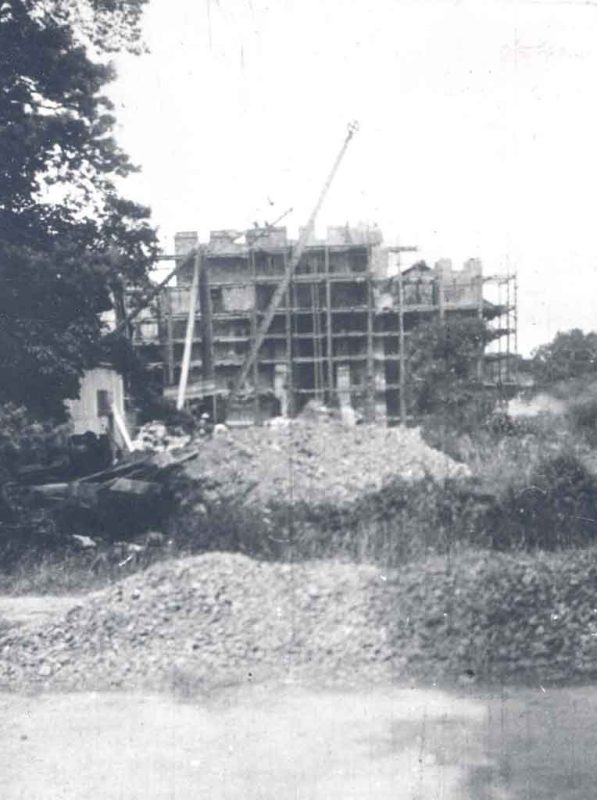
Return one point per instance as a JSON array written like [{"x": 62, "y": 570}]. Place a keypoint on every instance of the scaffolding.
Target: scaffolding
[{"x": 338, "y": 333}]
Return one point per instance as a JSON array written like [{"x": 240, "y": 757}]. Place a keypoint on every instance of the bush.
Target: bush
[
  {"x": 556, "y": 508},
  {"x": 443, "y": 362},
  {"x": 582, "y": 416},
  {"x": 24, "y": 529},
  {"x": 498, "y": 616},
  {"x": 400, "y": 522},
  {"x": 25, "y": 440}
]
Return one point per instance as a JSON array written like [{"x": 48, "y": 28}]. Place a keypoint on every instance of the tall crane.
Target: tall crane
[{"x": 282, "y": 287}]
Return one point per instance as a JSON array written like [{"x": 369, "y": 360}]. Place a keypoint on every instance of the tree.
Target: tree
[
  {"x": 572, "y": 354},
  {"x": 442, "y": 359},
  {"x": 67, "y": 237}
]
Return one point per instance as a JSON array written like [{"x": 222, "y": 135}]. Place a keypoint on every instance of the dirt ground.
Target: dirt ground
[
  {"x": 254, "y": 743},
  {"x": 266, "y": 742}
]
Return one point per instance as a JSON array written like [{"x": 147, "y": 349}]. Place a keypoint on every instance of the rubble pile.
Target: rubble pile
[
  {"x": 154, "y": 437},
  {"x": 218, "y": 618},
  {"x": 317, "y": 460}
]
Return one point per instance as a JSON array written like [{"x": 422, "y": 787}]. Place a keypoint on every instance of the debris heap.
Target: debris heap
[
  {"x": 220, "y": 618},
  {"x": 217, "y": 617},
  {"x": 317, "y": 460}
]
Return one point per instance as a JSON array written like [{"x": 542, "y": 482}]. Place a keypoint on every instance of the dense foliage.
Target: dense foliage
[
  {"x": 443, "y": 364},
  {"x": 67, "y": 237},
  {"x": 497, "y": 617},
  {"x": 572, "y": 354}
]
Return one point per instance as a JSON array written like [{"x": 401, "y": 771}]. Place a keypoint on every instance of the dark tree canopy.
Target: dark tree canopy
[
  {"x": 572, "y": 354},
  {"x": 67, "y": 237},
  {"x": 442, "y": 364}
]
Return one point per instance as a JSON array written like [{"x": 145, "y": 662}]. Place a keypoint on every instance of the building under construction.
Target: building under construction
[{"x": 337, "y": 334}]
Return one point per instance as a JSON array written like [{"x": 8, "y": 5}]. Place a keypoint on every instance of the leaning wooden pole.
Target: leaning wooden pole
[
  {"x": 296, "y": 257},
  {"x": 188, "y": 343},
  {"x": 155, "y": 290}
]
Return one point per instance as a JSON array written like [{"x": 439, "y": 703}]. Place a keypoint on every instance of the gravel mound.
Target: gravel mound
[
  {"x": 220, "y": 618},
  {"x": 316, "y": 460}
]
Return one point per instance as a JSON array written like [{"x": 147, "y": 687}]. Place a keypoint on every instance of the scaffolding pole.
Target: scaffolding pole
[
  {"x": 188, "y": 344},
  {"x": 515, "y": 279},
  {"x": 255, "y": 369},
  {"x": 318, "y": 382},
  {"x": 481, "y": 359},
  {"x": 329, "y": 331},
  {"x": 401, "y": 348},
  {"x": 288, "y": 327},
  {"x": 169, "y": 338},
  {"x": 401, "y": 341},
  {"x": 370, "y": 387},
  {"x": 508, "y": 326},
  {"x": 500, "y": 371}
]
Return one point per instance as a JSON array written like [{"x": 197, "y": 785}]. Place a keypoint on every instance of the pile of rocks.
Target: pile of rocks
[
  {"x": 317, "y": 461},
  {"x": 220, "y": 618},
  {"x": 155, "y": 437},
  {"x": 217, "y": 617}
]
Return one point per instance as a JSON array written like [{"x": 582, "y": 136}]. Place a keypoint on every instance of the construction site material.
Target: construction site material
[
  {"x": 316, "y": 460},
  {"x": 219, "y": 618},
  {"x": 156, "y": 437},
  {"x": 128, "y": 498}
]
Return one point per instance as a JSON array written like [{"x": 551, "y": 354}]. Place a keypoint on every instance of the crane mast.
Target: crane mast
[{"x": 282, "y": 287}]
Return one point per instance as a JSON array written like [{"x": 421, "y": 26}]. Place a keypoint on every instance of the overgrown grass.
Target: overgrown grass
[
  {"x": 51, "y": 573},
  {"x": 504, "y": 452},
  {"x": 403, "y": 521},
  {"x": 60, "y": 572}
]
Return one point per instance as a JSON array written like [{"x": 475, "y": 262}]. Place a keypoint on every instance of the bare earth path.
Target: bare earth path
[
  {"x": 249, "y": 744},
  {"x": 265, "y": 743}
]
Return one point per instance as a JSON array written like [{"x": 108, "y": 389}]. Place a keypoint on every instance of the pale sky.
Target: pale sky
[{"x": 478, "y": 129}]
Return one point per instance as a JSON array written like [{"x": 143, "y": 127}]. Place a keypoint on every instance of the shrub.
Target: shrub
[
  {"x": 499, "y": 616},
  {"x": 443, "y": 359},
  {"x": 582, "y": 416},
  {"x": 398, "y": 523},
  {"x": 25, "y": 440},
  {"x": 556, "y": 507}
]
